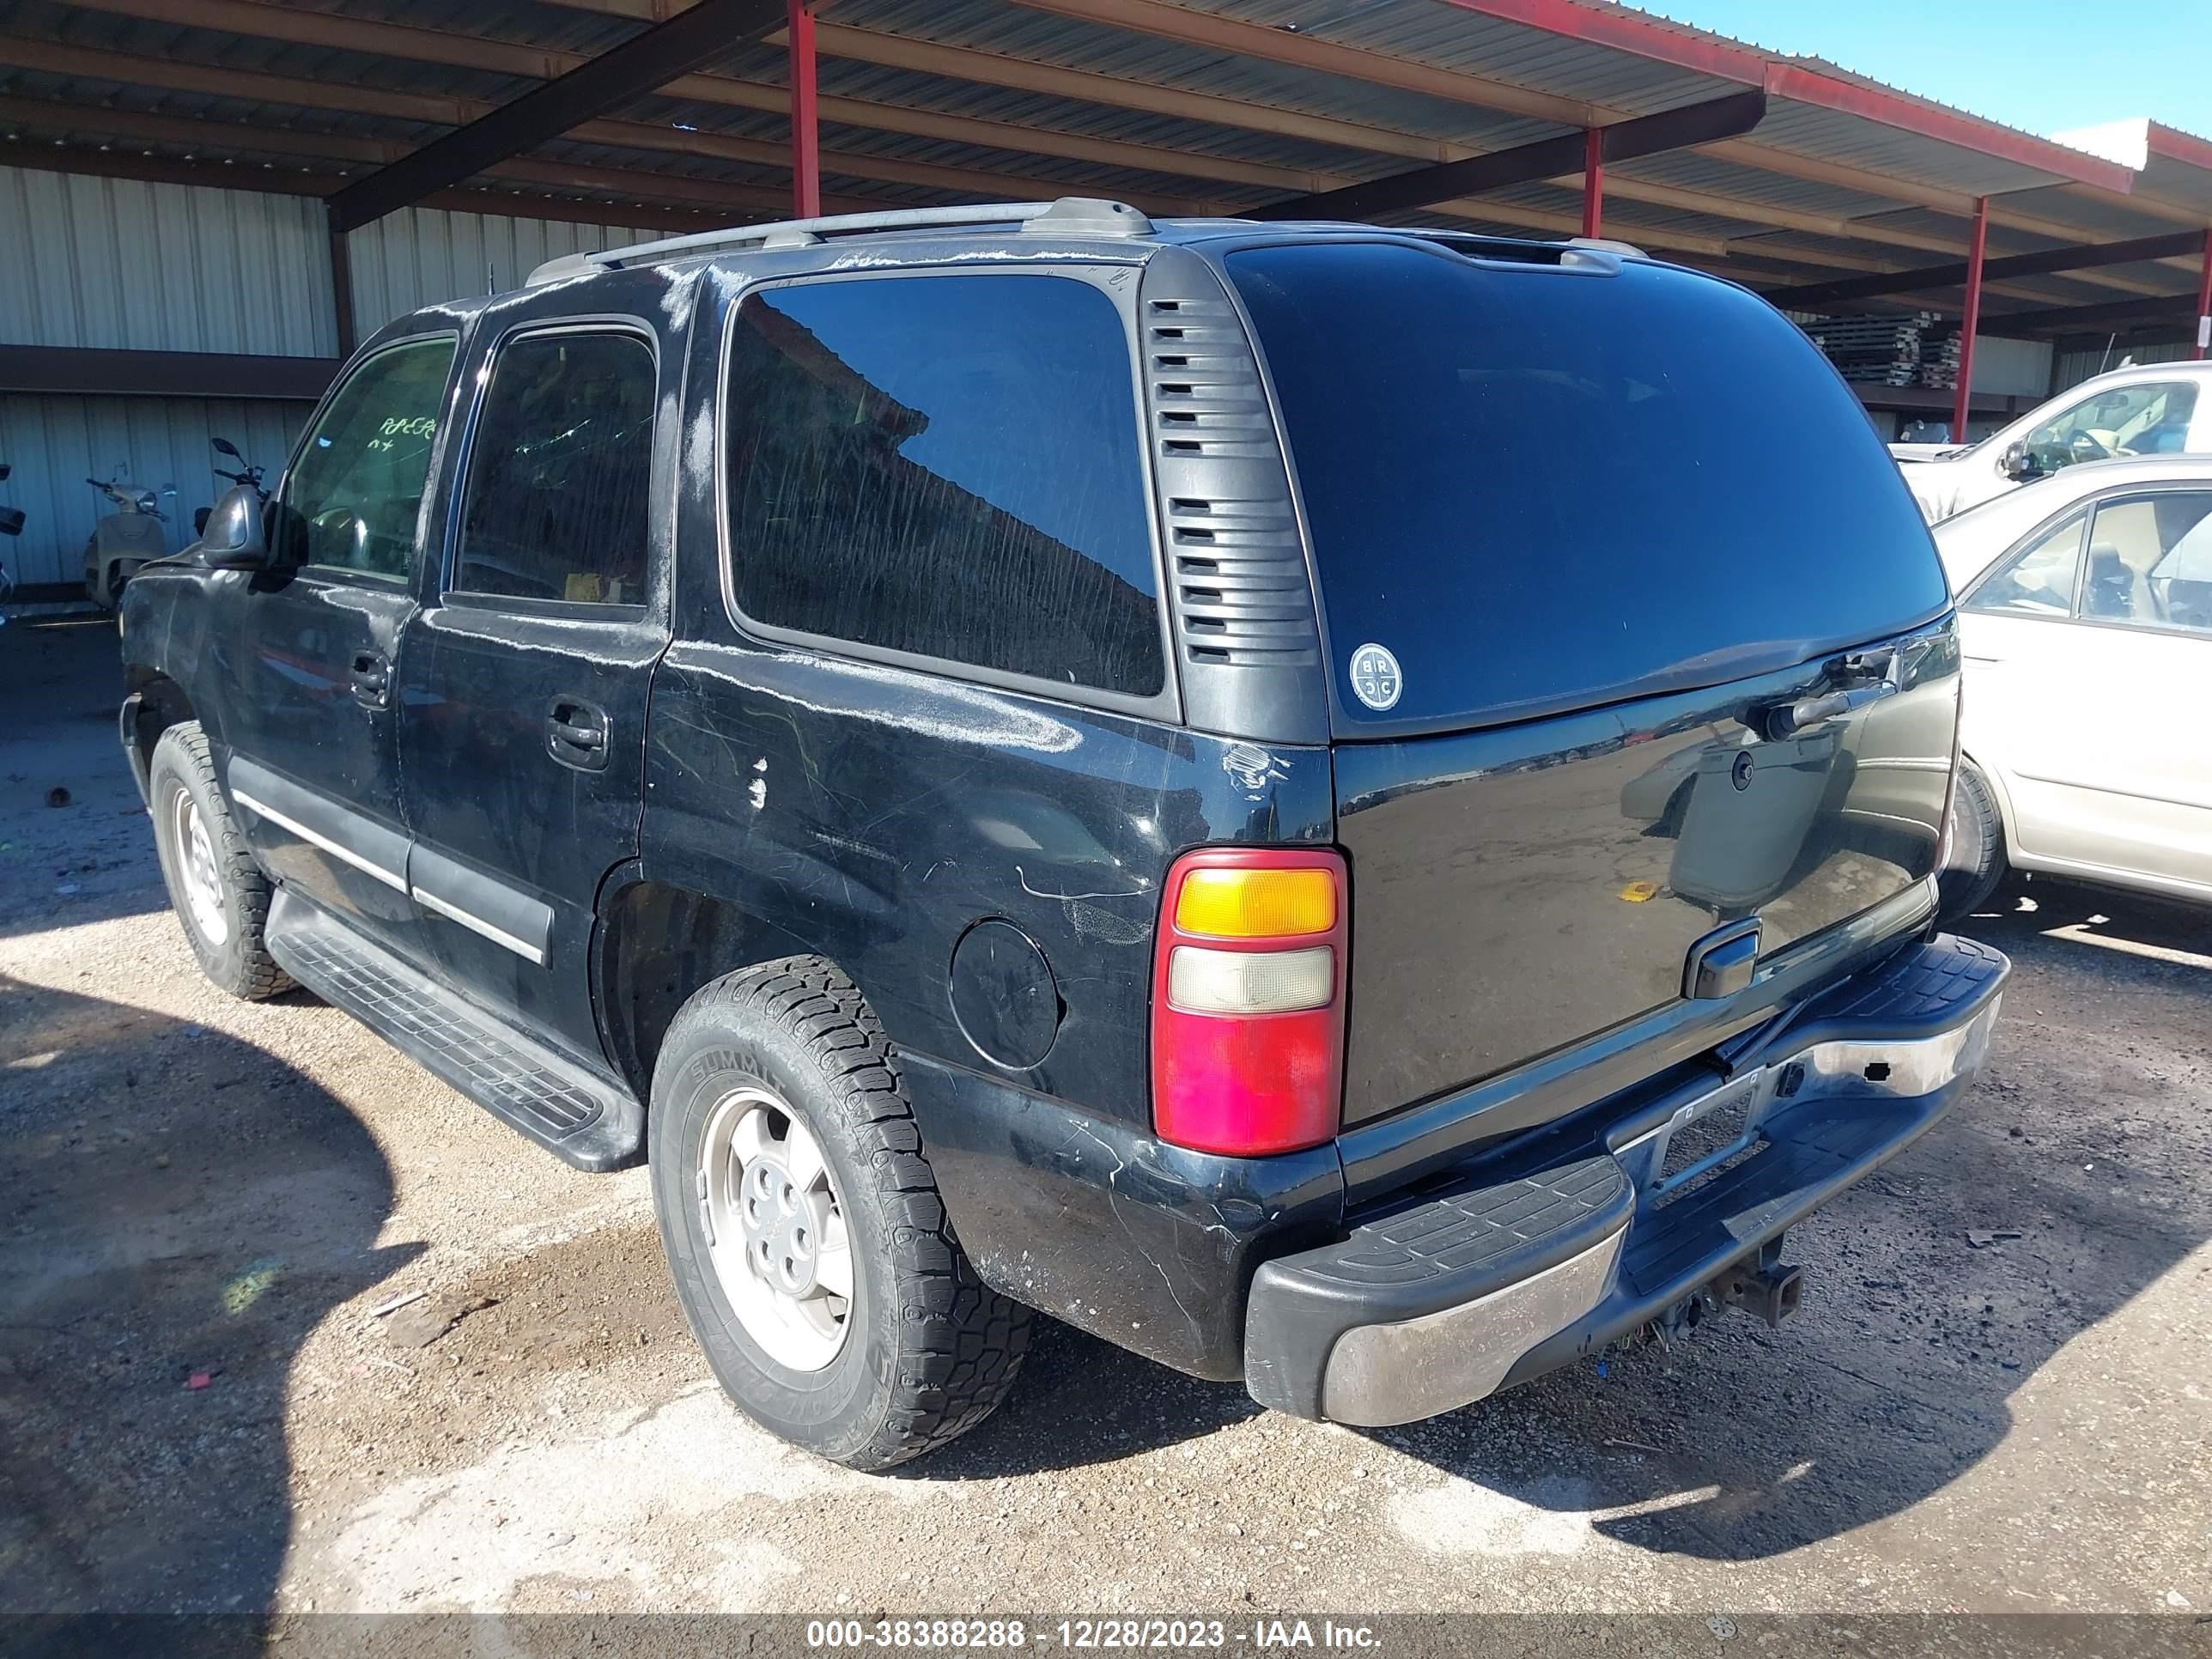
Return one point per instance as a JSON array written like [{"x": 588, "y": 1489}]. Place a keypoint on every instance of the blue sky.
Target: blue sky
[{"x": 2045, "y": 65}]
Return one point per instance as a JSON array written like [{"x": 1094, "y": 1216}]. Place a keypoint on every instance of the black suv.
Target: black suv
[{"x": 1344, "y": 807}]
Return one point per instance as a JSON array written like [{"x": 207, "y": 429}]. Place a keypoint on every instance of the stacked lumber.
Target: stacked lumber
[
  {"x": 1939, "y": 358},
  {"x": 1878, "y": 350}
]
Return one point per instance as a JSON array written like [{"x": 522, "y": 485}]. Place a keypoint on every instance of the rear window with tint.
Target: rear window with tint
[
  {"x": 947, "y": 466},
  {"x": 1542, "y": 488}
]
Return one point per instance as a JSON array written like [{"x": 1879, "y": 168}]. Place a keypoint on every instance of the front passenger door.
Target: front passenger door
[
  {"x": 311, "y": 753},
  {"x": 523, "y": 695}
]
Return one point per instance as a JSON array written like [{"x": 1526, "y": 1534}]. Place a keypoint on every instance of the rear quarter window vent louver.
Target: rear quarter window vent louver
[{"x": 1246, "y": 636}]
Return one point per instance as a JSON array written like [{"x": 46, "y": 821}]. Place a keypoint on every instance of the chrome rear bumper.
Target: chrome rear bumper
[{"x": 1558, "y": 1246}]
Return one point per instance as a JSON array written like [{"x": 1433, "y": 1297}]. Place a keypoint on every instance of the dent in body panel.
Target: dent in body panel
[{"x": 905, "y": 807}]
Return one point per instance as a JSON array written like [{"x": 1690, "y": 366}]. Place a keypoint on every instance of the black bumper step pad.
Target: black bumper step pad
[{"x": 587, "y": 1119}]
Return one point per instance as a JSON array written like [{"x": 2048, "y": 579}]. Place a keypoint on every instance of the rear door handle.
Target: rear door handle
[
  {"x": 372, "y": 680},
  {"x": 576, "y": 733}
]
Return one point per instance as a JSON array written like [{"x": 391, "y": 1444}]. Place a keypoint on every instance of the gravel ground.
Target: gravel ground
[{"x": 206, "y": 1193}]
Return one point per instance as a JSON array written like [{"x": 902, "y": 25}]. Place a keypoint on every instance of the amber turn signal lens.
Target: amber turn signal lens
[{"x": 1229, "y": 904}]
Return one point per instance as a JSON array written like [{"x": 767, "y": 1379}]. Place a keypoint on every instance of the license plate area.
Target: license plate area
[{"x": 1701, "y": 1140}]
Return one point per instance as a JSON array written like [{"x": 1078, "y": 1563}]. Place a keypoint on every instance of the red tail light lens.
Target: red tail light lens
[{"x": 1247, "y": 1000}]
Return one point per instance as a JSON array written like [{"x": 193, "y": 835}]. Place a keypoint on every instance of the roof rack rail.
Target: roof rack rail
[{"x": 1080, "y": 215}]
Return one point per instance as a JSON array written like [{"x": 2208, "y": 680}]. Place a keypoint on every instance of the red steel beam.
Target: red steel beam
[
  {"x": 805, "y": 134},
  {"x": 1658, "y": 41},
  {"x": 1972, "y": 317},
  {"x": 2204, "y": 301},
  {"x": 1592, "y": 180}
]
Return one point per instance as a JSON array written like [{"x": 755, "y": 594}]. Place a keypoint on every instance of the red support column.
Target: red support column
[
  {"x": 805, "y": 139},
  {"x": 1592, "y": 180},
  {"x": 2204, "y": 301},
  {"x": 1973, "y": 318}
]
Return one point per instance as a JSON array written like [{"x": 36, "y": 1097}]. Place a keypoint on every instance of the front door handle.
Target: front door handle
[
  {"x": 372, "y": 680},
  {"x": 576, "y": 733}
]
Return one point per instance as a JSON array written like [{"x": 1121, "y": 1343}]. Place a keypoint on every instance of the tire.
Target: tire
[
  {"x": 922, "y": 1350},
  {"x": 218, "y": 891},
  {"x": 1976, "y": 862}
]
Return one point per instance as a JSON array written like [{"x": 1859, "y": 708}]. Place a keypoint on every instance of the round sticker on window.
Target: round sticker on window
[{"x": 1375, "y": 678}]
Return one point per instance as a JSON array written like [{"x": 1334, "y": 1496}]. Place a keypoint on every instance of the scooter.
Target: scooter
[
  {"x": 11, "y": 524},
  {"x": 122, "y": 541},
  {"x": 247, "y": 474}
]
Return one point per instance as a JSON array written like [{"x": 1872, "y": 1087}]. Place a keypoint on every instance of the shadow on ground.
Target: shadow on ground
[
  {"x": 75, "y": 844},
  {"x": 181, "y": 1206},
  {"x": 1898, "y": 1376}
]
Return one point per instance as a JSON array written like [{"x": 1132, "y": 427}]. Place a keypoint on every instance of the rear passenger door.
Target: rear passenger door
[{"x": 523, "y": 697}]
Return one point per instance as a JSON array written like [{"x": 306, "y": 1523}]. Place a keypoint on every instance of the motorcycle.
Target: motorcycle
[
  {"x": 122, "y": 541},
  {"x": 247, "y": 474}
]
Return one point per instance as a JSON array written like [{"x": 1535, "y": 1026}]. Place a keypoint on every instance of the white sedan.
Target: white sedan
[
  {"x": 2143, "y": 409},
  {"x": 2085, "y": 612}
]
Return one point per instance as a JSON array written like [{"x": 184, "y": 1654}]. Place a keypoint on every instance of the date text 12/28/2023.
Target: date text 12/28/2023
[{"x": 1111, "y": 1633}]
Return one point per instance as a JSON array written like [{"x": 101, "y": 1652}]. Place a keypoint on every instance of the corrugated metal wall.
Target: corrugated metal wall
[
  {"x": 119, "y": 263},
  {"x": 419, "y": 256},
  {"x": 2019, "y": 369},
  {"x": 2074, "y": 367},
  {"x": 55, "y": 443}
]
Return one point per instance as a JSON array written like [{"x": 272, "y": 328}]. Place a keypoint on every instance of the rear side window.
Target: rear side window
[
  {"x": 559, "y": 473},
  {"x": 947, "y": 466},
  {"x": 1538, "y": 488}
]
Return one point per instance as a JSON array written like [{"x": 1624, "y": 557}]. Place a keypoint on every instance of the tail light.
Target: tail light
[{"x": 1247, "y": 1000}]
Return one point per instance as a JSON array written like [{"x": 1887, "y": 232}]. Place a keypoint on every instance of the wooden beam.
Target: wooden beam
[
  {"x": 86, "y": 159},
  {"x": 1312, "y": 52},
  {"x": 2083, "y": 319},
  {"x": 90, "y": 372},
  {"x": 140, "y": 128},
  {"x": 1680, "y": 128},
  {"x": 177, "y": 76},
  {"x": 257, "y": 17},
  {"x": 1654, "y": 41},
  {"x": 95, "y": 121},
  {"x": 2050, "y": 262},
  {"x": 614, "y": 77},
  {"x": 666, "y": 190},
  {"x": 217, "y": 175}
]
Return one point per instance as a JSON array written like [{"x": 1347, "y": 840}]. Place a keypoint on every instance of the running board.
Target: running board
[{"x": 582, "y": 1115}]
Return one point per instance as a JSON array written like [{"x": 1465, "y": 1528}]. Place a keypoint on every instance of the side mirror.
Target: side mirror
[
  {"x": 235, "y": 538},
  {"x": 224, "y": 447},
  {"x": 11, "y": 521},
  {"x": 2017, "y": 465}
]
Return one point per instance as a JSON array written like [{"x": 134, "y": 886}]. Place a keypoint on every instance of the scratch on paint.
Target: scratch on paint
[
  {"x": 1138, "y": 891},
  {"x": 1252, "y": 768}
]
